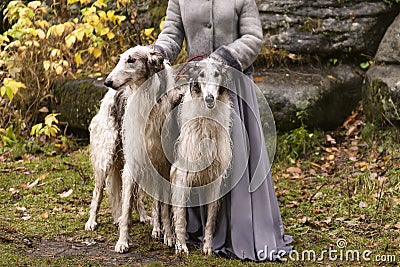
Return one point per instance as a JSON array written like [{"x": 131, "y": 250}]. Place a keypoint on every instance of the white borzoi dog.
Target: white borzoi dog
[
  {"x": 143, "y": 150},
  {"x": 204, "y": 116},
  {"x": 135, "y": 66}
]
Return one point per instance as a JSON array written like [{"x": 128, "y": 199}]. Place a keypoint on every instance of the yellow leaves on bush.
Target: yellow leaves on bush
[
  {"x": 92, "y": 19},
  {"x": 110, "y": 35},
  {"x": 57, "y": 67},
  {"x": 34, "y": 4},
  {"x": 10, "y": 88},
  {"x": 102, "y": 30},
  {"x": 162, "y": 23},
  {"x": 46, "y": 65},
  {"x": 78, "y": 58},
  {"x": 42, "y": 24},
  {"x": 100, "y": 3},
  {"x": 116, "y": 19},
  {"x": 70, "y": 2},
  {"x": 70, "y": 40},
  {"x": 40, "y": 33},
  {"x": 97, "y": 52},
  {"x": 49, "y": 128},
  {"x": 55, "y": 52},
  {"x": 148, "y": 32}
]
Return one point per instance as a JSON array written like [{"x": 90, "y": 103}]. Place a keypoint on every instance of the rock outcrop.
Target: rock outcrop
[
  {"x": 381, "y": 90},
  {"x": 78, "y": 101}
]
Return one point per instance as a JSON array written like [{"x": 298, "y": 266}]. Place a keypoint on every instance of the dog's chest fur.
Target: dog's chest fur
[{"x": 204, "y": 142}]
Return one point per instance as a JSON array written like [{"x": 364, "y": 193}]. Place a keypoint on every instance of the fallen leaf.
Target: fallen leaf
[
  {"x": 66, "y": 194},
  {"x": 44, "y": 215},
  {"x": 363, "y": 204},
  {"x": 318, "y": 211},
  {"x": 26, "y": 217},
  {"x": 258, "y": 79},
  {"x": 43, "y": 176},
  {"x": 57, "y": 209},
  {"x": 328, "y": 220},
  {"x": 34, "y": 183},
  {"x": 43, "y": 110},
  {"x": 397, "y": 225},
  {"x": 318, "y": 195},
  {"x": 354, "y": 159},
  {"x": 293, "y": 170},
  {"x": 302, "y": 220},
  {"x": 330, "y": 139},
  {"x": 13, "y": 191}
]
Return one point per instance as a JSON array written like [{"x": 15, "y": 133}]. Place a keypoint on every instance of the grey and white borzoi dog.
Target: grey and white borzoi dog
[
  {"x": 135, "y": 66},
  {"x": 204, "y": 115},
  {"x": 142, "y": 147},
  {"x": 107, "y": 151}
]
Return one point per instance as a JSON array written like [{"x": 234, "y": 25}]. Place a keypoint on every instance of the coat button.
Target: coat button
[{"x": 209, "y": 25}]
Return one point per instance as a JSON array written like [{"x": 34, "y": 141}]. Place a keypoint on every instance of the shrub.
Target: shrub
[{"x": 47, "y": 43}]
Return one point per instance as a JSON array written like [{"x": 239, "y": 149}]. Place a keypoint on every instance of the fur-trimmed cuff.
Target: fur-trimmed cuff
[{"x": 225, "y": 56}]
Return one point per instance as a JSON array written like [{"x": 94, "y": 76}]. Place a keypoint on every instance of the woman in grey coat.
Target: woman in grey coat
[{"x": 249, "y": 224}]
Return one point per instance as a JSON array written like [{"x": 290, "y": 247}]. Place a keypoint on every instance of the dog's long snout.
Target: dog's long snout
[
  {"x": 108, "y": 83},
  {"x": 210, "y": 101}
]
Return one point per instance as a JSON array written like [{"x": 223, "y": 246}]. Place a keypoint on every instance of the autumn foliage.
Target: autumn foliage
[{"x": 44, "y": 43}]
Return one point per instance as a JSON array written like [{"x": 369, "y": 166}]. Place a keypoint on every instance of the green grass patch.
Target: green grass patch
[{"x": 345, "y": 187}]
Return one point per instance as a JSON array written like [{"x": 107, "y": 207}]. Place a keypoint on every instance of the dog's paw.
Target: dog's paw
[
  {"x": 181, "y": 248},
  {"x": 207, "y": 249},
  {"x": 169, "y": 241},
  {"x": 121, "y": 247},
  {"x": 156, "y": 233},
  {"x": 90, "y": 225},
  {"x": 146, "y": 219}
]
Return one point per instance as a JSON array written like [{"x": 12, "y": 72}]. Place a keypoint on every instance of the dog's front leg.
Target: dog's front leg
[
  {"x": 100, "y": 177},
  {"x": 143, "y": 217},
  {"x": 179, "y": 198},
  {"x": 166, "y": 220},
  {"x": 114, "y": 189},
  {"x": 212, "y": 211},
  {"x": 128, "y": 185},
  {"x": 155, "y": 216}
]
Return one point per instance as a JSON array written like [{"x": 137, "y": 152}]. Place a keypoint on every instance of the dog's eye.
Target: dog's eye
[
  {"x": 131, "y": 60},
  {"x": 216, "y": 73},
  {"x": 201, "y": 75}
]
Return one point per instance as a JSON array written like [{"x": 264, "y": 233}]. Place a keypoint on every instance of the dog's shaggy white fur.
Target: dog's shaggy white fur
[
  {"x": 134, "y": 67},
  {"x": 205, "y": 115},
  {"x": 141, "y": 135}
]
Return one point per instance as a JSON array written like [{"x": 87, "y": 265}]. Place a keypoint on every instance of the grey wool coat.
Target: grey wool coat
[
  {"x": 249, "y": 224},
  {"x": 229, "y": 28}
]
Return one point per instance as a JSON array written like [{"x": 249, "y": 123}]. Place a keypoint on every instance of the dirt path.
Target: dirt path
[{"x": 100, "y": 250}]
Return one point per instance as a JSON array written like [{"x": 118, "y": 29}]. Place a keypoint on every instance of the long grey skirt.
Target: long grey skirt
[{"x": 249, "y": 224}]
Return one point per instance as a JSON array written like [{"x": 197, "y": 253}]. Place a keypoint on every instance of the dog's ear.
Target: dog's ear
[
  {"x": 227, "y": 78},
  {"x": 155, "y": 62}
]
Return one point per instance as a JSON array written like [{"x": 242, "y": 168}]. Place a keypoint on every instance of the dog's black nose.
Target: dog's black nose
[
  {"x": 108, "y": 83},
  {"x": 209, "y": 99}
]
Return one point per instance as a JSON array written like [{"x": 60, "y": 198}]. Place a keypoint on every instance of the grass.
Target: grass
[{"x": 346, "y": 189}]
